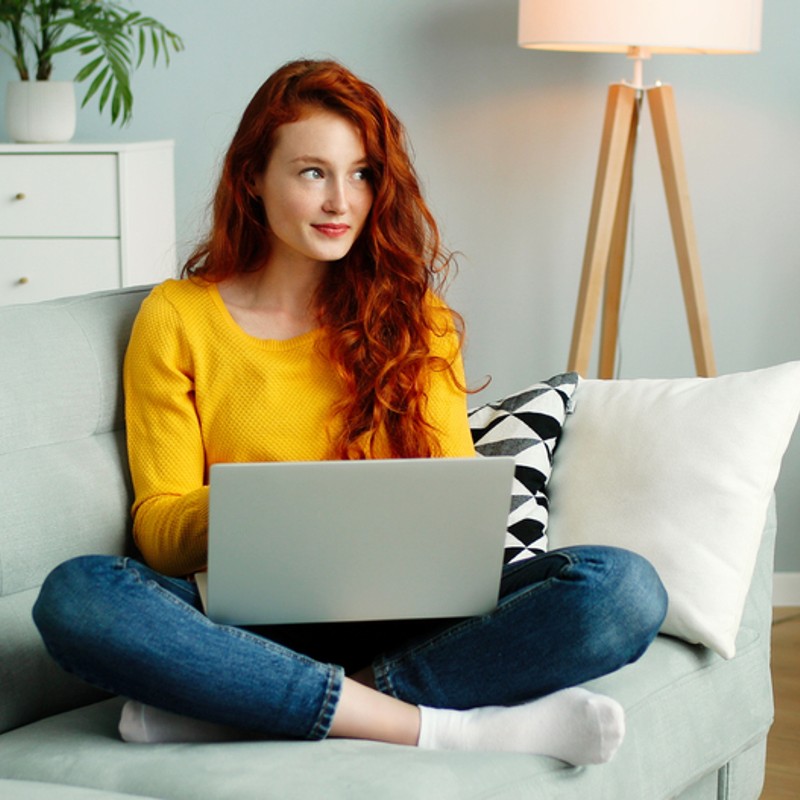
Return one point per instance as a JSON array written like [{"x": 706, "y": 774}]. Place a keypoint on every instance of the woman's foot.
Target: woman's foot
[
  {"x": 573, "y": 725},
  {"x": 145, "y": 724}
]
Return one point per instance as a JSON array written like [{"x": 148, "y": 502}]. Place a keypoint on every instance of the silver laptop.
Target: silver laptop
[{"x": 335, "y": 541}]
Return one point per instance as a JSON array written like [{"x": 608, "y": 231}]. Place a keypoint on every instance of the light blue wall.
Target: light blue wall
[{"x": 506, "y": 142}]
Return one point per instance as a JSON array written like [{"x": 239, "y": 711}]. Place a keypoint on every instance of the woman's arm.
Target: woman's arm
[{"x": 165, "y": 447}]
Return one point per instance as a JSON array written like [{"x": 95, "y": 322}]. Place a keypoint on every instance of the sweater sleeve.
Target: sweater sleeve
[
  {"x": 165, "y": 447},
  {"x": 447, "y": 396}
]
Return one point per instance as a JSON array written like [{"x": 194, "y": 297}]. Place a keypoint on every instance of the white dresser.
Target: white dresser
[{"x": 78, "y": 218}]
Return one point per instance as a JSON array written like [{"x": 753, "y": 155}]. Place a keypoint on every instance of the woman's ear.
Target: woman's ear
[
  {"x": 251, "y": 186},
  {"x": 252, "y": 182}
]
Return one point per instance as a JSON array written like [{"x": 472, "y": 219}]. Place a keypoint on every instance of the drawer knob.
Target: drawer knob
[
  {"x": 23, "y": 280},
  {"x": 20, "y": 196}
]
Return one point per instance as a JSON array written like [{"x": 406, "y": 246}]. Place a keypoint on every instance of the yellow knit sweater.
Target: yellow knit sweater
[{"x": 200, "y": 391}]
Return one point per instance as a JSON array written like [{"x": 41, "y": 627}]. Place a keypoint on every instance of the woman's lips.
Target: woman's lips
[{"x": 333, "y": 230}]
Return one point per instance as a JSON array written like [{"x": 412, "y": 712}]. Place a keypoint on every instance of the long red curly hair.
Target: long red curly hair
[{"x": 376, "y": 305}]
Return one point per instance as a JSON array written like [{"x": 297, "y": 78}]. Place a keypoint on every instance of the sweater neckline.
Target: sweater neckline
[{"x": 266, "y": 344}]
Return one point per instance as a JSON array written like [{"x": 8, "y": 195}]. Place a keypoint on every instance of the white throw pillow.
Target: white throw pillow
[{"x": 682, "y": 472}]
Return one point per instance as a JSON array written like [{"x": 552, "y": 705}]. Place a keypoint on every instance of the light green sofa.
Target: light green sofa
[{"x": 697, "y": 724}]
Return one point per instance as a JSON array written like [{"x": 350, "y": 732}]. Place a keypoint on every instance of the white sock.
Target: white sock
[
  {"x": 573, "y": 725},
  {"x": 146, "y": 724}
]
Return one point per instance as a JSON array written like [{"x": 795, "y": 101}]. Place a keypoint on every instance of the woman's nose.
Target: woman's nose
[{"x": 336, "y": 197}]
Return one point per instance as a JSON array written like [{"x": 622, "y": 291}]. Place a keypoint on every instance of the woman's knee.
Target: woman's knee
[
  {"x": 68, "y": 594},
  {"x": 643, "y": 596},
  {"x": 639, "y": 598},
  {"x": 626, "y": 600}
]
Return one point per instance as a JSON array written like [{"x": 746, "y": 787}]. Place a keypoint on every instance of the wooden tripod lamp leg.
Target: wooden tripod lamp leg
[
  {"x": 673, "y": 171},
  {"x": 619, "y": 117},
  {"x": 612, "y": 300}
]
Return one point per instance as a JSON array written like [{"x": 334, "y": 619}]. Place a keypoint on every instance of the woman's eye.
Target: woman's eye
[
  {"x": 313, "y": 173},
  {"x": 362, "y": 174}
]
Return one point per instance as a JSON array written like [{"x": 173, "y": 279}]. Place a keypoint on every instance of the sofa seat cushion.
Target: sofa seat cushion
[
  {"x": 685, "y": 720},
  {"x": 36, "y": 790}
]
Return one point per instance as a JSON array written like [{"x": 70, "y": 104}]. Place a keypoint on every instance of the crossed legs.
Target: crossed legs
[{"x": 495, "y": 682}]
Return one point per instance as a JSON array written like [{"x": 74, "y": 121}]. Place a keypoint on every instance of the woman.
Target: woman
[{"x": 309, "y": 326}]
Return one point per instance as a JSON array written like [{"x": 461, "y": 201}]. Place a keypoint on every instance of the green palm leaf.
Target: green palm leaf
[{"x": 115, "y": 39}]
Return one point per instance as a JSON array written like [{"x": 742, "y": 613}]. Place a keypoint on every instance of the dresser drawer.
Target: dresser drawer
[
  {"x": 58, "y": 195},
  {"x": 42, "y": 269}
]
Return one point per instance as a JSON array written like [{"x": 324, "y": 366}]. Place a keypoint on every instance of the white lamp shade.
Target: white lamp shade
[{"x": 661, "y": 26}]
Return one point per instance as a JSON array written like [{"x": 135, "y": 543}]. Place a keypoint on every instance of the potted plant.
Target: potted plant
[{"x": 111, "y": 39}]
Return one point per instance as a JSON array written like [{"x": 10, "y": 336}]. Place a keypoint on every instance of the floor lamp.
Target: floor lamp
[{"x": 638, "y": 28}]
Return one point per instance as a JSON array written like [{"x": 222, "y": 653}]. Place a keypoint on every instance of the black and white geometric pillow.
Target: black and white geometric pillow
[{"x": 526, "y": 425}]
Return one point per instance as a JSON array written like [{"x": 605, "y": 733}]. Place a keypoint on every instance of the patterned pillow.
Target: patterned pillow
[{"x": 526, "y": 425}]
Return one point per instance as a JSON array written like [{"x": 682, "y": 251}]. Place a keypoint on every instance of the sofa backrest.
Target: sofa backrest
[{"x": 64, "y": 483}]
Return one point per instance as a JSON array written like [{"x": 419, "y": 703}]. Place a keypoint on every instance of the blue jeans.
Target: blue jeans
[{"x": 563, "y": 618}]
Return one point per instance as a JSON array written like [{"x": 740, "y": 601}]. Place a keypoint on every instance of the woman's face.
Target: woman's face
[{"x": 316, "y": 189}]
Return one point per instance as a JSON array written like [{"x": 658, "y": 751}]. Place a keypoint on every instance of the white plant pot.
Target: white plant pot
[{"x": 40, "y": 111}]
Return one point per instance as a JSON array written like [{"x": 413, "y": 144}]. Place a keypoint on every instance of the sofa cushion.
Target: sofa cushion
[
  {"x": 35, "y": 790},
  {"x": 680, "y": 471},
  {"x": 63, "y": 471},
  {"x": 526, "y": 425},
  {"x": 61, "y": 361}
]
